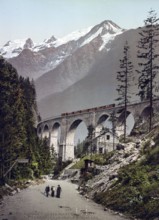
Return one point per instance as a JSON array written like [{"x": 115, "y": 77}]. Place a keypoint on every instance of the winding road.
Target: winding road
[{"x": 32, "y": 204}]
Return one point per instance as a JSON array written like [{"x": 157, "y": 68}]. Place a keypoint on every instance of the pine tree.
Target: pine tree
[
  {"x": 124, "y": 77},
  {"x": 113, "y": 120},
  {"x": 148, "y": 67}
]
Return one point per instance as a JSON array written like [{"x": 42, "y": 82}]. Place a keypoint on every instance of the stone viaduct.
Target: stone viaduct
[{"x": 60, "y": 130}]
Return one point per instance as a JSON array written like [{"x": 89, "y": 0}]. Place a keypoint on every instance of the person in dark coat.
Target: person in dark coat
[
  {"x": 58, "y": 191},
  {"x": 52, "y": 191},
  {"x": 47, "y": 190}
]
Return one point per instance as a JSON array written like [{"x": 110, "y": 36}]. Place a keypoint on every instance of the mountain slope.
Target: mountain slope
[
  {"x": 71, "y": 70},
  {"x": 57, "y": 64},
  {"x": 77, "y": 71},
  {"x": 78, "y": 63},
  {"x": 98, "y": 87}
]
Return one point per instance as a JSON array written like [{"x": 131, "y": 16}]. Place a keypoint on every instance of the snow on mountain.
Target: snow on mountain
[
  {"x": 74, "y": 36},
  {"x": 107, "y": 30},
  {"x": 98, "y": 87},
  {"x": 59, "y": 64},
  {"x": 112, "y": 28},
  {"x": 50, "y": 40},
  {"x": 53, "y": 42},
  {"x": 47, "y": 43},
  {"x": 14, "y": 48},
  {"x": 76, "y": 58},
  {"x": 107, "y": 38}
]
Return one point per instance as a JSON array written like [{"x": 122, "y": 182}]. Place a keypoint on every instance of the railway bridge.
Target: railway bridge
[{"x": 60, "y": 130}]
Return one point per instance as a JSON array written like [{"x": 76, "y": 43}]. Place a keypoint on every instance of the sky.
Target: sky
[{"x": 40, "y": 19}]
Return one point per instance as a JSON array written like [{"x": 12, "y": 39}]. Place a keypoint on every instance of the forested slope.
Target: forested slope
[{"x": 18, "y": 139}]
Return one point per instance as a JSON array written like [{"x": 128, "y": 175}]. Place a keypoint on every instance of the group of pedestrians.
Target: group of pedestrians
[{"x": 54, "y": 192}]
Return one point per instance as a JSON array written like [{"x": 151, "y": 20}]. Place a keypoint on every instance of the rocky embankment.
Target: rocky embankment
[
  {"x": 128, "y": 181},
  {"x": 109, "y": 172}
]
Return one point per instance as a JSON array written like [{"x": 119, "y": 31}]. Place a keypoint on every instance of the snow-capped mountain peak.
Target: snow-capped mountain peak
[
  {"x": 106, "y": 30},
  {"x": 50, "y": 40},
  {"x": 110, "y": 26},
  {"x": 53, "y": 42},
  {"x": 28, "y": 44},
  {"x": 106, "y": 27},
  {"x": 47, "y": 43},
  {"x": 14, "y": 48}
]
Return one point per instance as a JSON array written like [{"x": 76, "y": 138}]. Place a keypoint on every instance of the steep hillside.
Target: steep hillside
[
  {"x": 128, "y": 179},
  {"x": 70, "y": 71},
  {"x": 99, "y": 86}
]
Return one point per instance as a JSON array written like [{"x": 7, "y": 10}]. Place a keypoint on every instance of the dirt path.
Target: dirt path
[{"x": 32, "y": 204}]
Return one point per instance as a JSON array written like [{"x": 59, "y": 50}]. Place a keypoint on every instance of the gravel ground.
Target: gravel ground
[{"x": 32, "y": 204}]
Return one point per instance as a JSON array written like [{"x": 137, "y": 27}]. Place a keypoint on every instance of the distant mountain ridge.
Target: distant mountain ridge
[
  {"x": 14, "y": 48},
  {"x": 57, "y": 64},
  {"x": 76, "y": 71},
  {"x": 98, "y": 87}
]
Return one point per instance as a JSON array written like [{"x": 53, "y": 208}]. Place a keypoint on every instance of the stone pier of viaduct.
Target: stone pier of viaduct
[{"x": 60, "y": 130}]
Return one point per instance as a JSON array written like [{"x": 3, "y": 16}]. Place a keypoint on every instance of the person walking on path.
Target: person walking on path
[
  {"x": 47, "y": 190},
  {"x": 58, "y": 191},
  {"x": 52, "y": 191}
]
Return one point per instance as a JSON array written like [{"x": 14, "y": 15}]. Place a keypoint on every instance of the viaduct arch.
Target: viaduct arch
[{"x": 60, "y": 130}]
